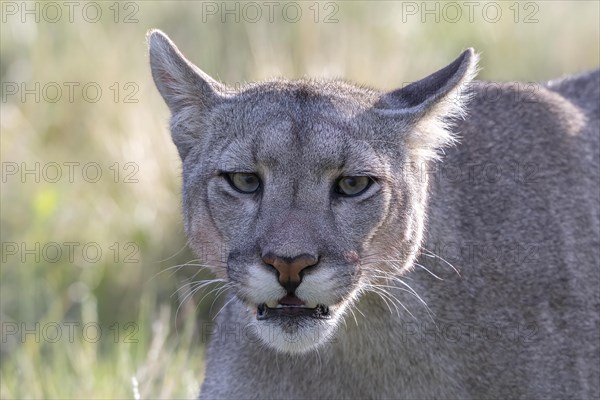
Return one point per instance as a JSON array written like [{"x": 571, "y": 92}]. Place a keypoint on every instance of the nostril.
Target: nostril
[
  {"x": 290, "y": 287},
  {"x": 308, "y": 268}
]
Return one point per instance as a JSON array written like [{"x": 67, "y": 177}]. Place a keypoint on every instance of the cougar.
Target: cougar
[{"x": 440, "y": 240}]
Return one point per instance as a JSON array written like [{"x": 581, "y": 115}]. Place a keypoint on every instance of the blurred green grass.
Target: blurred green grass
[{"x": 376, "y": 43}]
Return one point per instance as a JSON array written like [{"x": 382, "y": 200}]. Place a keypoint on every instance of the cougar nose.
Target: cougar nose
[{"x": 289, "y": 269}]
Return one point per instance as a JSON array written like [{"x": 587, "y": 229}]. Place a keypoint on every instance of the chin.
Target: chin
[
  {"x": 294, "y": 322},
  {"x": 296, "y": 330}
]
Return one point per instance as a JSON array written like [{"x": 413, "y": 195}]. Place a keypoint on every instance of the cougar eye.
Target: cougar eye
[
  {"x": 244, "y": 182},
  {"x": 352, "y": 185}
]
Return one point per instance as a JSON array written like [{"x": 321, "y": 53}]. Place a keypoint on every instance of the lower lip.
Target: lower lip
[{"x": 264, "y": 312}]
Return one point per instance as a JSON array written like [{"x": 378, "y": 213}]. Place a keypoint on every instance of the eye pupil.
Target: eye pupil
[
  {"x": 244, "y": 182},
  {"x": 352, "y": 185}
]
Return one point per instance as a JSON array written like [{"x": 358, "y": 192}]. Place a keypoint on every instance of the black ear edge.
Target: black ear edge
[
  {"x": 461, "y": 70},
  {"x": 419, "y": 97},
  {"x": 422, "y": 114}
]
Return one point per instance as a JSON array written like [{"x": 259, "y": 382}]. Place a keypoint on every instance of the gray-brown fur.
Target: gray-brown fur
[{"x": 522, "y": 318}]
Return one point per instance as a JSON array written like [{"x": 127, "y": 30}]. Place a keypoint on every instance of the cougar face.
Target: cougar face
[
  {"x": 298, "y": 194},
  {"x": 307, "y": 188}
]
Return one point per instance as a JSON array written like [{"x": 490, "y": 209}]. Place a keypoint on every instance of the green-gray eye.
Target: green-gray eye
[
  {"x": 352, "y": 185},
  {"x": 244, "y": 182}
]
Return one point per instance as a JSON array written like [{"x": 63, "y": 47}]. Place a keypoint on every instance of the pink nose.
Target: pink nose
[{"x": 289, "y": 269}]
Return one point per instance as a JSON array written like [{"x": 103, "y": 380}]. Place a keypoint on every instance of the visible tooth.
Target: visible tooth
[
  {"x": 273, "y": 304},
  {"x": 279, "y": 306},
  {"x": 311, "y": 305}
]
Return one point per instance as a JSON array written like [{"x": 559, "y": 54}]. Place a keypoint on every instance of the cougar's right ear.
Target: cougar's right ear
[
  {"x": 180, "y": 82},
  {"x": 187, "y": 90}
]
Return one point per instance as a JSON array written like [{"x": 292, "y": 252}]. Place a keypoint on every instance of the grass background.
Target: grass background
[{"x": 151, "y": 343}]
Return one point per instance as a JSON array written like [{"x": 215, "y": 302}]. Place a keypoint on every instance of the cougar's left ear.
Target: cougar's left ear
[{"x": 423, "y": 110}]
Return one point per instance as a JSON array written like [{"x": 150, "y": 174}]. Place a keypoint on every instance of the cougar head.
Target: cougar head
[{"x": 305, "y": 188}]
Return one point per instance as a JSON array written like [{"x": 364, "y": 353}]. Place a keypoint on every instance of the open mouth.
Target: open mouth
[{"x": 291, "y": 306}]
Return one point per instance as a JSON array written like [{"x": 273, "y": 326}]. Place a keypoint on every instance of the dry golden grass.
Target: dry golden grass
[{"x": 381, "y": 44}]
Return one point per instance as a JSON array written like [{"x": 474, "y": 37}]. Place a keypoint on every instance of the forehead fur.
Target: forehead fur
[
  {"x": 317, "y": 124},
  {"x": 300, "y": 111},
  {"x": 308, "y": 98}
]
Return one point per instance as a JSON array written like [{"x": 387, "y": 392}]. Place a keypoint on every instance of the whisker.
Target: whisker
[
  {"x": 354, "y": 315},
  {"x": 222, "y": 308},
  {"x": 431, "y": 273},
  {"x": 194, "y": 288},
  {"x": 178, "y": 251},
  {"x": 383, "y": 297},
  {"x": 219, "y": 293},
  {"x": 179, "y": 266},
  {"x": 198, "y": 285},
  {"x": 183, "y": 300},
  {"x": 410, "y": 290},
  {"x": 396, "y": 299},
  {"x": 217, "y": 289},
  {"x": 432, "y": 254}
]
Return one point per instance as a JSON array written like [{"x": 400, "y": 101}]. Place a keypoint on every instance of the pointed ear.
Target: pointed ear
[
  {"x": 187, "y": 90},
  {"x": 424, "y": 110},
  {"x": 180, "y": 82}
]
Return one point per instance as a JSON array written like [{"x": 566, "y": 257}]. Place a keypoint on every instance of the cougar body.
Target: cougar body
[{"x": 467, "y": 267}]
